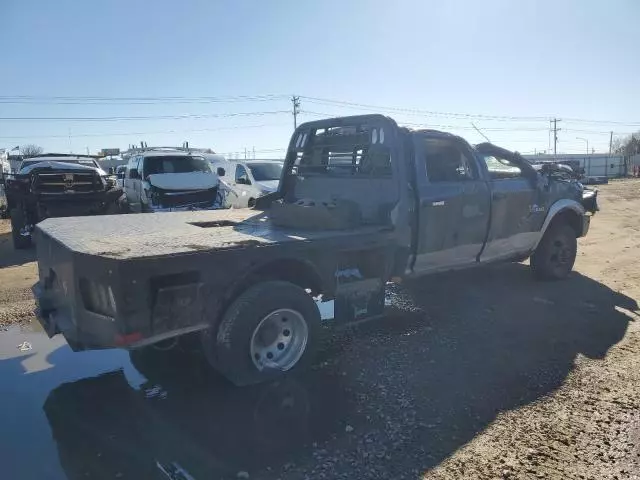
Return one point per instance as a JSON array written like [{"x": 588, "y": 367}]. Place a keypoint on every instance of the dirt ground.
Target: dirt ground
[{"x": 484, "y": 374}]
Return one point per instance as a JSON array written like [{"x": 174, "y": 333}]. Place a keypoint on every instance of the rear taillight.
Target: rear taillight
[{"x": 97, "y": 297}]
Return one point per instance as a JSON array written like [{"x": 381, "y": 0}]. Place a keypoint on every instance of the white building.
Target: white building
[{"x": 595, "y": 165}]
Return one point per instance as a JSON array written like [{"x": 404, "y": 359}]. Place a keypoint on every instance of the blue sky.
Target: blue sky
[{"x": 574, "y": 59}]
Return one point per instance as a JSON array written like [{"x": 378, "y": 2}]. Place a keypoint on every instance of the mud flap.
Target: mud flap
[{"x": 359, "y": 300}]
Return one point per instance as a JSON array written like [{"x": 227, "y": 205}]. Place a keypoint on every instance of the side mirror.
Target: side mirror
[
  {"x": 243, "y": 181},
  {"x": 221, "y": 172},
  {"x": 133, "y": 173}
]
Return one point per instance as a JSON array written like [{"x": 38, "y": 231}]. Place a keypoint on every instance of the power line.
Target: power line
[
  {"x": 412, "y": 111},
  {"x": 378, "y": 108},
  {"x": 70, "y": 100},
  {"x": 434, "y": 125},
  {"x": 238, "y": 127},
  {"x": 150, "y": 117},
  {"x": 153, "y": 100}
]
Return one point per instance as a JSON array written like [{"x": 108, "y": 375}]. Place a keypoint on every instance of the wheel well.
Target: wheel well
[
  {"x": 298, "y": 272},
  {"x": 570, "y": 218}
]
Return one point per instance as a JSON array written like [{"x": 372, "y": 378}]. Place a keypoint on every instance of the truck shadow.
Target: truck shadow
[
  {"x": 398, "y": 395},
  {"x": 9, "y": 256}
]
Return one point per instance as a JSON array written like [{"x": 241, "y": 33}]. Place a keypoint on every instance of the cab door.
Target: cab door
[
  {"x": 517, "y": 214},
  {"x": 454, "y": 204}
]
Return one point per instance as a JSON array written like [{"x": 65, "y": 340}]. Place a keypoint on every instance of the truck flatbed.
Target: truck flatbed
[{"x": 148, "y": 235}]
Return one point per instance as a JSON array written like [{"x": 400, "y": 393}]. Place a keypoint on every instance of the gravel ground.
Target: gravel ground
[
  {"x": 18, "y": 273},
  {"x": 483, "y": 374}
]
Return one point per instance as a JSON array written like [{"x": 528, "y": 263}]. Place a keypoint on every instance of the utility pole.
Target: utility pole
[
  {"x": 555, "y": 134},
  {"x": 295, "y": 100},
  {"x": 584, "y": 140},
  {"x": 611, "y": 143}
]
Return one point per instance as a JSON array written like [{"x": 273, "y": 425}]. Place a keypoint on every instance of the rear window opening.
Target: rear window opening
[{"x": 355, "y": 150}]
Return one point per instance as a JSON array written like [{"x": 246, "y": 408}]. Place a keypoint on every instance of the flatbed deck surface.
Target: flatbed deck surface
[{"x": 158, "y": 234}]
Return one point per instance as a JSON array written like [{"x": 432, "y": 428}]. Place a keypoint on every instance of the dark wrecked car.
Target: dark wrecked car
[
  {"x": 57, "y": 185},
  {"x": 361, "y": 202}
]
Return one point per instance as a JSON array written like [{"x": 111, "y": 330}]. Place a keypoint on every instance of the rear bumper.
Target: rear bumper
[
  {"x": 97, "y": 331},
  {"x": 152, "y": 309},
  {"x": 586, "y": 221}
]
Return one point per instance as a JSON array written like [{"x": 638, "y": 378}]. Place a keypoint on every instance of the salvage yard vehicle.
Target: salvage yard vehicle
[
  {"x": 252, "y": 179},
  {"x": 5, "y": 169},
  {"x": 170, "y": 179},
  {"x": 57, "y": 185},
  {"x": 361, "y": 202}
]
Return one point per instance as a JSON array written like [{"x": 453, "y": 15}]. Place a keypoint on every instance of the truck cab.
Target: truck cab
[{"x": 452, "y": 205}]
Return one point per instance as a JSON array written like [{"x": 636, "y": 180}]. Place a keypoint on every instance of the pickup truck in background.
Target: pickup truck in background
[
  {"x": 57, "y": 185},
  {"x": 361, "y": 202}
]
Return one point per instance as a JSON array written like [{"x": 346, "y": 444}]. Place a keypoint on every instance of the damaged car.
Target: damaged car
[
  {"x": 166, "y": 180},
  {"x": 361, "y": 202},
  {"x": 57, "y": 185}
]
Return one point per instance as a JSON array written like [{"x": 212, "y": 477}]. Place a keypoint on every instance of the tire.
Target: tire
[
  {"x": 251, "y": 203},
  {"x": 268, "y": 330},
  {"x": 20, "y": 242},
  {"x": 556, "y": 253}
]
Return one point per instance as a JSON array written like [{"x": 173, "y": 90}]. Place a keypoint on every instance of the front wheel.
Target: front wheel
[
  {"x": 556, "y": 253},
  {"x": 18, "y": 222},
  {"x": 271, "y": 328}
]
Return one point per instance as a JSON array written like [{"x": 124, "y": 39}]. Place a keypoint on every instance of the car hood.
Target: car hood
[
  {"x": 184, "y": 181},
  {"x": 268, "y": 186},
  {"x": 67, "y": 167}
]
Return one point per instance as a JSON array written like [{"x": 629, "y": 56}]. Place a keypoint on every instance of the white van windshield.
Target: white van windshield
[{"x": 177, "y": 164}]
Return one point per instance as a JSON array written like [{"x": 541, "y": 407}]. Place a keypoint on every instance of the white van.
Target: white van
[
  {"x": 164, "y": 180},
  {"x": 251, "y": 179}
]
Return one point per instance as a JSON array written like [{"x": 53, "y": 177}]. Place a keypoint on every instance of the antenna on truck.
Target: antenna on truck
[{"x": 480, "y": 132}]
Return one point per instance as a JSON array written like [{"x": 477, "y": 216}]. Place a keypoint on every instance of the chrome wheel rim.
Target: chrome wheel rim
[{"x": 279, "y": 340}]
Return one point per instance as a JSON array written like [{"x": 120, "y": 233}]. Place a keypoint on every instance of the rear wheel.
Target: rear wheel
[
  {"x": 271, "y": 328},
  {"x": 556, "y": 253},
  {"x": 18, "y": 222}
]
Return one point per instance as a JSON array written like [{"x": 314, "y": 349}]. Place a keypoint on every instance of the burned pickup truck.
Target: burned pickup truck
[
  {"x": 57, "y": 185},
  {"x": 361, "y": 202}
]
